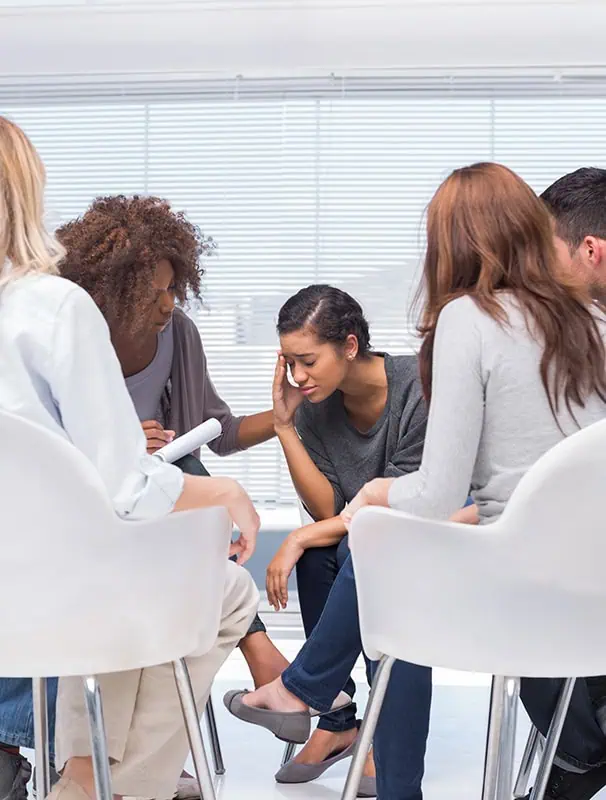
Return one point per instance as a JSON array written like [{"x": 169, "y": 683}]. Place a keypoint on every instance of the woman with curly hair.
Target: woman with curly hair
[{"x": 137, "y": 258}]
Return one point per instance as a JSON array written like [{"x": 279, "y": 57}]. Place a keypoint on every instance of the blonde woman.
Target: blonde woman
[{"x": 59, "y": 370}]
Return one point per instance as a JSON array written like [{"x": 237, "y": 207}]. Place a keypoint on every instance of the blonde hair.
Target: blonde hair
[{"x": 25, "y": 245}]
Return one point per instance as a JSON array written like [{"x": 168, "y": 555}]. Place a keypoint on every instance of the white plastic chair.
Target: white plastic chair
[
  {"x": 183, "y": 445},
  {"x": 90, "y": 572},
  {"x": 497, "y": 599}
]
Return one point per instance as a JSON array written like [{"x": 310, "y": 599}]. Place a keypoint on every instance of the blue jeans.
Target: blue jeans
[
  {"x": 324, "y": 666},
  {"x": 317, "y": 570},
  {"x": 17, "y": 714}
]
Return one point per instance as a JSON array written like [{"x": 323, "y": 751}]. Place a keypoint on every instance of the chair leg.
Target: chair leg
[
  {"x": 94, "y": 706},
  {"x": 552, "y": 740},
  {"x": 41, "y": 736},
  {"x": 528, "y": 758},
  {"x": 491, "y": 759},
  {"x": 369, "y": 724},
  {"x": 192, "y": 726},
  {"x": 290, "y": 748},
  {"x": 508, "y": 738},
  {"x": 213, "y": 735}
]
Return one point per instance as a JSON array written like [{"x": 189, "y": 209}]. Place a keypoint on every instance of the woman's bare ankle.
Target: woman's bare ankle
[
  {"x": 275, "y": 697},
  {"x": 80, "y": 770}
]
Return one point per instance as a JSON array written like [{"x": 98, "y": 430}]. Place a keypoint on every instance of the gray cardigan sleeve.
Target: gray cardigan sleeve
[
  {"x": 456, "y": 416},
  {"x": 193, "y": 397}
]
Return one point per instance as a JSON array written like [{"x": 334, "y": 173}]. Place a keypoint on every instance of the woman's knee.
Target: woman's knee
[
  {"x": 317, "y": 562},
  {"x": 241, "y": 596}
]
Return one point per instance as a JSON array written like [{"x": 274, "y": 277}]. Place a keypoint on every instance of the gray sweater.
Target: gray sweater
[
  {"x": 489, "y": 418},
  {"x": 393, "y": 446}
]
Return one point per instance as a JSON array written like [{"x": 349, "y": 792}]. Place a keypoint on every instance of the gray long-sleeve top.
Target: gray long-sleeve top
[{"x": 489, "y": 416}]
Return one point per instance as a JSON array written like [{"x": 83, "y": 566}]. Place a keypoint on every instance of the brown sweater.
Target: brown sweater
[{"x": 190, "y": 396}]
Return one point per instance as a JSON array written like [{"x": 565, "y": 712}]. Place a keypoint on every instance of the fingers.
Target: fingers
[
  {"x": 151, "y": 425},
  {"x": 283, "y": 589},
  {"x": 156, "y": 435},
  {"x": 271, "y": 595},
  {"x": 280, "y": 371},
  {"x": 153, "y": 445},
  {"x": 276, "y": 584},
  {"x": 348, "y": 512}
]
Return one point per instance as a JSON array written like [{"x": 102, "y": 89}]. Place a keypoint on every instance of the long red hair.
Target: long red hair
[{"x": 487, "y": 233}]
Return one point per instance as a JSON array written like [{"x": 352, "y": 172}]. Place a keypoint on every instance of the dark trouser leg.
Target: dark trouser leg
[
  {"x": 193, "y": 466},
  {"x": 317, "y": 570},
  {"x": 322, "y": 669},
  {"x": 582, "y": 744}
]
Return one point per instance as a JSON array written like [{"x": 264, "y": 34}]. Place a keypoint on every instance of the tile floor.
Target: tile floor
[
  {"x": 455, "y": 749},
  {"x": 456, "y": 744}
]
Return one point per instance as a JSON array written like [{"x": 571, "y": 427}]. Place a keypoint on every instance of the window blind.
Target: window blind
[{"x": 324, "y": 180}]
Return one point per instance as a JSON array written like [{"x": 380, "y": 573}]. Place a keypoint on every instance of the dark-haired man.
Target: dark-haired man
[{"x": 577, "y": 202}]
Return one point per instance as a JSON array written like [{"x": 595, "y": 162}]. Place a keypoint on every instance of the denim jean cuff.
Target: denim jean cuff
[
  {"x": 344, "y": 720},
  {"x": 290, "y": 679},
  {"x": 17, "y": 740}
]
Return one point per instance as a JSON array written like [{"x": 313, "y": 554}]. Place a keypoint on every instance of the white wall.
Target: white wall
[{"x": 288, "y": 37}]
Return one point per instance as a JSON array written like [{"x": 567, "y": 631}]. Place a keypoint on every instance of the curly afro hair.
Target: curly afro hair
[{"x": 114, "y": 248}]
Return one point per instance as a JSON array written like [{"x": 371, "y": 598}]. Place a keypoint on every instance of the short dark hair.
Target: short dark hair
[
  {"x": 331, "y": 313},
  {"x": 577, "y": 202}
]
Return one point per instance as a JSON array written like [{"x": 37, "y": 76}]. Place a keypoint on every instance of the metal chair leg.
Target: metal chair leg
[
  {"x": 290, "y": 749},
  {"x": 491, "y": 759},
  {"x": 192, "y": 726},
  {"x": 103, "y": 782},
  {"x": 369, "y": 724},
  {"x": 552, "y": 740},
  {"x": 528, "y": 758},
  {"x": 508, "y": 738},
  {"x": 213, "y": 735},
  {"x": 41, "y": 736}
]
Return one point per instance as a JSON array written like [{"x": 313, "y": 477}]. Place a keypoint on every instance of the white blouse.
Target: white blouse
[{"x": 58, "y": 368}]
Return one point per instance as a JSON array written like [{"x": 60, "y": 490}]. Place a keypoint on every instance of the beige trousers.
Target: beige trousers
[{"x": 146, "y": 738}]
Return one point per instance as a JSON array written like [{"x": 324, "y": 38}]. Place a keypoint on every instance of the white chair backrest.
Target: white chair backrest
[
  {"x": 91, "y": 592},
  {"x": 523, "y": 596}
]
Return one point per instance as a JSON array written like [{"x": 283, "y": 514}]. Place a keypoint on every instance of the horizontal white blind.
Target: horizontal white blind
[{"x": 319, "y": 181}]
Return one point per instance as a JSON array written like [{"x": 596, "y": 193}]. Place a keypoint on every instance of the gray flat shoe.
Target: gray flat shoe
[
  {"x": 367, "y": 787},
  {"x": 288, "y": 726},
  {"x": 294, "y": 772}
]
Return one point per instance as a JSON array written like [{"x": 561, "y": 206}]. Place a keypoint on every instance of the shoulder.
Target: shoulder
[
  {"x": 405, "y": 369},
  {"x": 465, "y": 313},
  {"x": 460, "y": 313},
  {"x": 404, "y": 376},
  {"x": 52, "y": 297},
  {"x": 183, "y": 323},
  {"x": 185, "y": 329}
]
